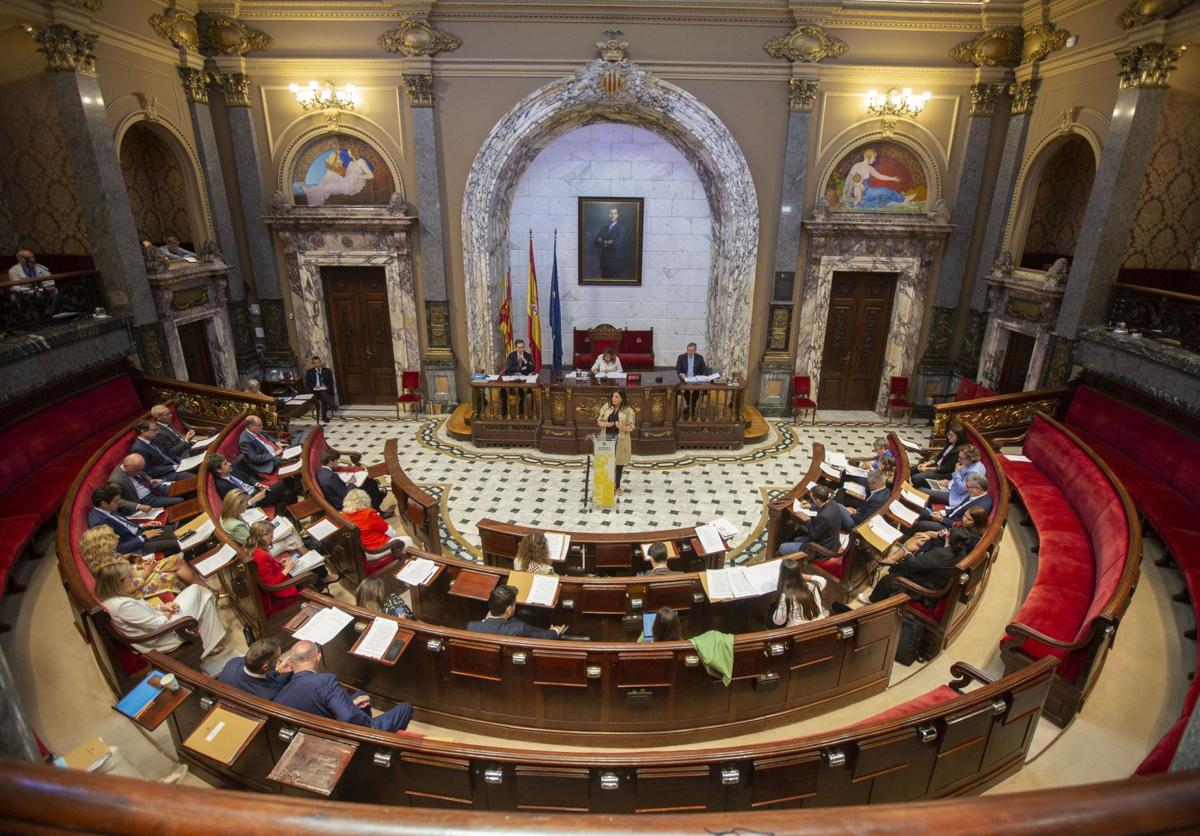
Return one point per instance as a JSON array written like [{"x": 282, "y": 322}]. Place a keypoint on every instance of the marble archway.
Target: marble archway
[{"x": 614, "y": 91}]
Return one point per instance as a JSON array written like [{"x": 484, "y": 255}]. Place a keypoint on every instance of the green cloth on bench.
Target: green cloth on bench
[{"x": 715, "y": 650}]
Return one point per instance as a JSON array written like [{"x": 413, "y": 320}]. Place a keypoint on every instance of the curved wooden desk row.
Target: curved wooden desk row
[
  {"x": 623, "y": 693},
  {"x": 418, "y": 509},
  {"x": 944, "y": 744}
]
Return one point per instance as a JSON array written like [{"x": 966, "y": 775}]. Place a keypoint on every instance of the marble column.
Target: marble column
[
  {"x": 438, "y": 357},
  {"x": 1022, "y": 94},
  {"x": 16, "y": 738},
  {"x": 104, "y": 204},
  {"x": 230, "y": 78},
  {"x": 776, "y": 366},
  {"x": 1118, "y": 185}
]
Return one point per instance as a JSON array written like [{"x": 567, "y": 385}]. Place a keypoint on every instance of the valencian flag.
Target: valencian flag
[
  {"x": 535, "y": 321},
  {"x": 506, "y": 315},
  {"x": 555, "y": 311}
]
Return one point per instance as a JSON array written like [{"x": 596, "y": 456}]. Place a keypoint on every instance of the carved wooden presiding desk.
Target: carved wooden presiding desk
[{"x": 557, "y": 414}]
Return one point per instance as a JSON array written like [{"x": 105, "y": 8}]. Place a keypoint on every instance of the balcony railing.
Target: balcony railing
[
  {"x": 28, "y": 306},
  {"x": 1158, "y": 314}
]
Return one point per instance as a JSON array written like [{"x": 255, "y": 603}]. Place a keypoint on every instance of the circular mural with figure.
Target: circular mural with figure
[
  {"x": 340, "y": 170},
  {"x": 877, "y": 176}
]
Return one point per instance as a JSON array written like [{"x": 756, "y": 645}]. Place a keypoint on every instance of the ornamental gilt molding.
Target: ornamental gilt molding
[
  {"x": 1023, "y": 95},
  {"x": 414, "y": 36},
  {"x": 195, "y": 84},
  {"x": 420, "y": 89},
  {"x": 806, "y": 45},
  {"x": 178, "y": 28},
  {"x": 223, "y": 35},
  {"x": 1042, "y": 40},
  {"x": 998, "y": 47},
  {"x": 984, "y": 98},
  {"x": 1147, "y": 11},
  {"x": 66, "y": 49},
  {"x": 1148, "y": 66},
  {"x": 802, "y": 95},
  {"x": 235, "y": 88}
]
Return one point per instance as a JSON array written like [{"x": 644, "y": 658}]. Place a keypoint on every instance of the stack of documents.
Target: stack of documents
[
  {"x": 202, "y": 443},
  {"x": 710, "y": 539},
  {"x": 913, "y": 496},
  {"x": 417, "y": 571},
  {"x": 903, "y": 513},
  {"x": 324, "y": 626},
  {"x": 217, "y": 561},
  {"x": 543, "y": 590},
  {"x": 291, "y": 452},
  {"x": 558, "y": 545},
  {"x": 378, "y": 638},
  {"x": 882, "y": 529},
  {"x": 725, "y": 528},
  {"x": 289, "y": 469},
  {"x": 190, "y": 463},
  {"x": 253, "y": 515},
  {"x": 309, "y": 560},
  {"x": 742, "y": 581},
  {"x": 322, "y": 529},
  {"x": 836, "y": 459}
]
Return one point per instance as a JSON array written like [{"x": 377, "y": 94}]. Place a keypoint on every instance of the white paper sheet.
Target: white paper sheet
[
  {"x": 307, "y": 561},
  {"x": 909, "y": 444},
  {"x": 300, "y": 398},
  {"x": 291, "y": 452},
  {"x": 530, "y": 378},
  {"x": 740, "y": 584},
  {"x": 201, "y": 443},
  {"x": 883, "y": 530},
  {"x": 558, "y": 545},
  {"x": 710, "y": 539},
  {"x": 493, "y": 377},
  {"x": 220, "y": 558},
  {"x": 903, "y": 512},
  {"x": 417, "y": 571},
  {"x": 322, "y": 529},
  {"x": 509, "y": 378},
  {"x": 1015, "y": 458},
  {"x": 191, "y": 462},
  {"x": 717, "y": 581},
  {"x": 856, "y": 472},
  {"x": 836, "y": 459},
  {"x": 253, "y": 515},
  {"x": 145, "y": 516},
  {"x": 764, "y": 576},
  {"x": 378, "y": 638},
  {"x": 801, "y": 510},
  {"x": 289, "y": 469},
  {"x": 911, "y": 498},
  {"x": 724, "y": 527},
  {"x": 810, "y": 486},
  {"x": 354, "y": 477},
  {"x": 198, "y": 534},
  {"x": 283, "y": 527},
  {"x": 542, "y": 590},
  {"x": 324, "y": 626},
  {"x": 855, "y": 489},
  {"x": 830, "y": 471},
  {"x": 843, "y": 541}
]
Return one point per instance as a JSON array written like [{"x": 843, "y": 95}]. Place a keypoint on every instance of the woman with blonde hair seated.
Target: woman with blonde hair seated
[
  {"x": 378, "y": 538},
  {"x": 274, "y": 569},
  {"x": 133, "y": 617},
  {"x": 533, "y": 555},
  {"x": 151, "y": 576},
  {"x": 607, "y": 363},
  {"x": 233, "y": 506}
]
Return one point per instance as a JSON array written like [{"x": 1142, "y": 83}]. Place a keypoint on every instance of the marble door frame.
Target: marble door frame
[{"x": 614, "y": 91}]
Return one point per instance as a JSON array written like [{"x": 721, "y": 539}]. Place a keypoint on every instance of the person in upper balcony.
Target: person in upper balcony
[{"x": 174, "y": 251}]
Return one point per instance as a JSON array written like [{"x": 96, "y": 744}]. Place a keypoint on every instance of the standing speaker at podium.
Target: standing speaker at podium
[{"x": 617, "y": 421}]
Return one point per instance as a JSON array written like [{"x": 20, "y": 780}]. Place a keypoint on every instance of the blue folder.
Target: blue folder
[{"x": 133, "y": 703}]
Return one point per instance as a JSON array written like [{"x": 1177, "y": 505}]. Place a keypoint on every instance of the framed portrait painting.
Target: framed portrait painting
[{"x": 610, "y": 240}]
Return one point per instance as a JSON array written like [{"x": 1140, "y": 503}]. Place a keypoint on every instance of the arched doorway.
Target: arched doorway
[
  {"x": 158, "y": 187},
  {"x": 617, "y": 92},
  {"x": 1059, "y": 203}
]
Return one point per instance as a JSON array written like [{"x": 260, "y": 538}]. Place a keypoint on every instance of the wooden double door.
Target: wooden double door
[
  {"x": 360, "y": 333},
  {"x": 856, "y": 333}
]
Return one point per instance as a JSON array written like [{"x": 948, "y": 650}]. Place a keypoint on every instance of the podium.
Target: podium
[{"x": 604, "y": 471}]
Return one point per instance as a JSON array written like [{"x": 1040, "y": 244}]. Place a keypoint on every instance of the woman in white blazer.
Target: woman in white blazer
[{"x": 114, "y": 588}]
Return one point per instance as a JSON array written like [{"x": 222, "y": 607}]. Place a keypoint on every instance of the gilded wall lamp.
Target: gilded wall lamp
[
  {"x": 332, "y": 101},
  {"x": 896, "y": 104}
]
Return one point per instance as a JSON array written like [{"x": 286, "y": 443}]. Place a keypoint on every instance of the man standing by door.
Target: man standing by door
[{"x": 319, "y": 381}]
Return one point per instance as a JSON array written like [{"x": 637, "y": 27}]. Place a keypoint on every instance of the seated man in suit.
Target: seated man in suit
[
  {"x": 335, "y": 488},
  {"x": 499, "y": 621},
  {"x": 657, "y": 555},
  {"x": 158, "y": 463},
  {"x": 690, "y": 364},
  {"x": 169, "y": 439},
  {"x": 260, "y": 451},
  {"x": 261, "y": 672},
  {"x": 519, "y": 361},
  {"x": 977, "y": 497},
  {"x": 877, "y": 497},
  {"x": 955, "y": 490},
  {"x": 825, "y": 528},
  {"x": 321, "y": 694},
  {"x": 319, "y": 381},
  {"x": 929, "y": 567},
  {"x": 132, "y": 538},
  {"x": 139, "y": 489},
  {"x": 226, "y": 477}
]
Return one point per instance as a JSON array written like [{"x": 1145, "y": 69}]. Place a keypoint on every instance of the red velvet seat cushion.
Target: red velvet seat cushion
[
  {"x": 834, "y": 566},
  {"x": 934, "y": 614},
  {"x": 965, "y": 390},
  {"x": 633, "y": 360},
  {"x": 939, "y": 695},
  {"x": 16, "y": 533},
  {"x": 801, "y": 402},
  {"x": 373, "y": 566},
  {"x": 42, "y": 492}
]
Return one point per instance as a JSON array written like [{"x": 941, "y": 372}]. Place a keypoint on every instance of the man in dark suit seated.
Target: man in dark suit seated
[
  {"x": 931, "y": 566},
  {"x": 877, "y": 497},
  {"x": 977, "y": 497},
  {"x": 499, "y": 621},
  {"x": 133, "y": 539},
  {"x": 825, "y": 528},
  {"x": 168, "y": 439},
  {"x": 261, "y": 672},
  {"x": 319, "y": 381},
  {"x": 335, "y": 488},
  {"x": 657, "y": 555},
  {"x": 260, "y": 451},
  {"x": 226, "y": 477},
  {"x": 690, "y": 364},
  {"x": 519, "y": 361},
  {"x": 321, "y": 694},
  {"x": 159, "y": 464},
  {"x": 139, "y": 489}
]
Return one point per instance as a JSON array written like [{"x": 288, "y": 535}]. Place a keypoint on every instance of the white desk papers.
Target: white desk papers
[
  {"x": 542, "y": 590},
  {"x": 724, "y": 527},
  {"x": 884, "y": 530},
  {"x": 800, "y": 510},
  {"x": 417, "y": 571},
  {"x": 742, "y": 581},
  {"x": 810, "y": 486},
  {"x": 509, "y": 378},
  {"x": 1013, "y": 457},
  {"x": 530, "y": 378},
  {"x": 322, "y": 529},
  {"x": 701, "y": 378},
  {"x": 191, "y": 462},
  {"x": 739, "y": 584},
  {"x": 306, "y": 561},
  {"x": 354, "y": 477},
  {"x": 908, "y": 443},
  {"x": 710, "y": 539},
  {"x": 253, "y": 515},
  {"x": 912, "y": 497},
  {"x": 830, "y": 471},
  {"x": 146, "y": 516},
  {"x": 289, "y": 469},
  {"x": 856, "y": 472},
  {"x": 856, "y": 489},
  {"x": 216, "y": 561},
  {"x": 291, "y": 452},
  {"x": 718, "y": 585},
  {"x": 307, "y": 396},
  {"x": 836, "y": 459},
  {"x": 198, "y": 534},
  {"x": 283, "y": 526},
  {"x": 493, "y": 377},
  {"x": 202, "y": 443},
  {"x": 378, "y": 639},
  {"x": 323, "y": 627},
  {"x": 763, "y": 576},
  {"x": 558, "y": 544},
  {"x": 902, "y": 512}
]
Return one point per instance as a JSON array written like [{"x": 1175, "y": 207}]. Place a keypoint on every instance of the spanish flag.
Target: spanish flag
[
  {"x": 535, "y": 321},
  {"x": 506, "y": 315}
]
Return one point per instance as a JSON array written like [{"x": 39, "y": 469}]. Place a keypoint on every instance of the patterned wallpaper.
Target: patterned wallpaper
[
  {"x": 1061, "y": 199},
  {"x": 1165, "y": 233},
  {"x": 155, "y": 186},
  {"x": 36, "y": 177}
]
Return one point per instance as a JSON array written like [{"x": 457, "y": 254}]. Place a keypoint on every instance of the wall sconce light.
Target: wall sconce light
[
  {"x": 896, "y": 104},
  {"x": 325, "y": 97}
]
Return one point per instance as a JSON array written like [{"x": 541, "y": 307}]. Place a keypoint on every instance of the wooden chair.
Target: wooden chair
[
  {"x": 410, "y": 392},
  {"x": 801, "y": 398},
  {"x": 898, "y": 398}
]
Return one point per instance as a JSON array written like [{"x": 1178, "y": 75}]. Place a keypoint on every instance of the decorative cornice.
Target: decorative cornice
[
  {"x": 802, "y": 94},
  {"x": 86, "y": 5},
  {"x": 1148, "y": 66},
  {"x": 223, "y": 35},
  {"x": 66, "y": 49},
  {"x": 420, "y": 89},
  {"x": 984, "y": 98},
  {"x": 178, "y": 28},
  {"x": 1023, "y": 95},
  {"x": 1041, "y": 40},
  {"x": 415, "y": 36},
  {"x": 235, "y": 88},
  {"x": 806, "y": 45},
  {"x": 195, "y": 84},
  {"x": 1147, "y": 11},
  {"x": 997, "y": 47}
]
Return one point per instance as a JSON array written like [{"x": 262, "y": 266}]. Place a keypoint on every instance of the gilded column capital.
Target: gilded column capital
[
  {"x": 420, "y": 89},
  {"x": 66, "y": 49},
  {"x": 223, "y": 35},
  {"x": 1023, "y": 94},
  {"x": 235, "y": 88},
  {"x": 415, "y": 36},
  {"x": 178, "y": 28},
  {"x": 1148, "y": 66},
  {"x": 984, "y": 98},
  {"x": 806, "y": 45},
  {"x": 802, "y": 94},
  {"x": 195, "y": 84}
]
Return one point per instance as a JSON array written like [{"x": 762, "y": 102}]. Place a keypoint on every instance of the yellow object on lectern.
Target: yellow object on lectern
[{"x": 604, "y": 472}]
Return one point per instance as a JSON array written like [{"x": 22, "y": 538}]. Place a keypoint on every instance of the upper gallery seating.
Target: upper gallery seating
[{"x": 635, "y": 348}]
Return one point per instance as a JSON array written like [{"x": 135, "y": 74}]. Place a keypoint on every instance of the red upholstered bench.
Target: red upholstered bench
[{"x": 1088, "y": 562}]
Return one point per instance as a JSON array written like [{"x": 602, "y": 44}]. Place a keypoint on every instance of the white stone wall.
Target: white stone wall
[{"x": 610, "y": 160}]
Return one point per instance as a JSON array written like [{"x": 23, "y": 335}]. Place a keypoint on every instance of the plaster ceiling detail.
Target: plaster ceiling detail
[
  {"x": 806, "y": 44},
  {"x": 415, "y": 36}
]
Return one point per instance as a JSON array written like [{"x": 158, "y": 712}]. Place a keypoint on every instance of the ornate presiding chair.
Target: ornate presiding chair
[{"x": 635, "y": 348}]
